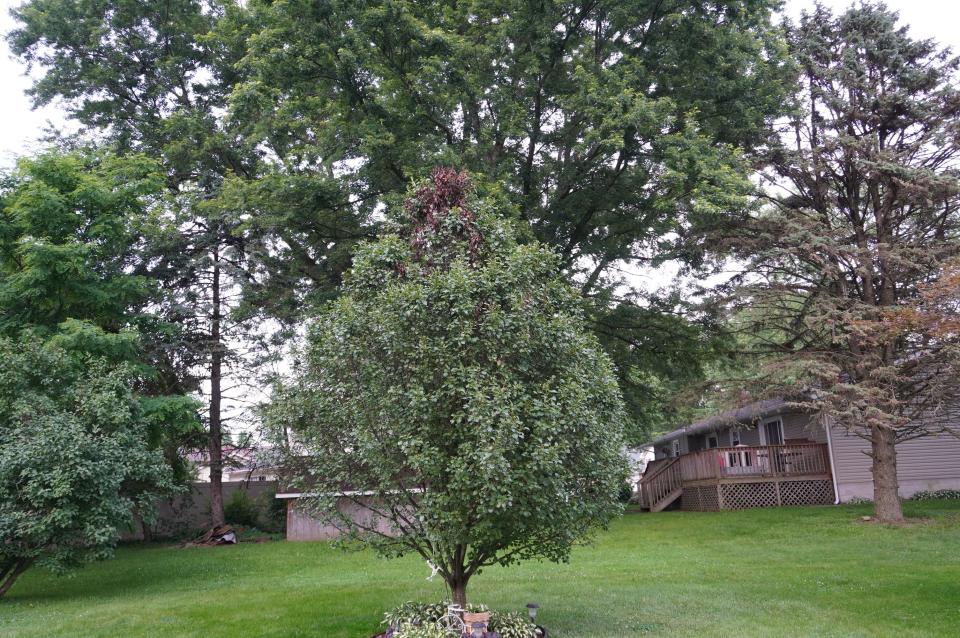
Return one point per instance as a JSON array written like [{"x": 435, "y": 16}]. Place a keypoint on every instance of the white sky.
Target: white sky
[{"x": 21, "y": 126}]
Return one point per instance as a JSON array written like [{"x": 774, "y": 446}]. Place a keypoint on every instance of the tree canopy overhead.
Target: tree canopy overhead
[
  {"x": 610, "y": 128},
  {"x": 454, "y": 392},
  {"x": 71, "y": 231}
]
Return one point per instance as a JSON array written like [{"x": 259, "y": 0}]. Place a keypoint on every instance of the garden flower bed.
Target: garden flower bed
[{"x": 442, "y": 620}]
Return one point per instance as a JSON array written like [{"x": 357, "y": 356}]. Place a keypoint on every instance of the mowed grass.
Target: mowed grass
[{"x": 815, "y": 571}]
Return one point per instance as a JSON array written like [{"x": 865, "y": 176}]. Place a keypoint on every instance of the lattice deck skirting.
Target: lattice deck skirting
[{"x": 737, "y": 496}]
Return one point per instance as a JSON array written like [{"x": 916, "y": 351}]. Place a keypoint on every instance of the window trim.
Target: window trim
[{"x": 763, "y": 431}]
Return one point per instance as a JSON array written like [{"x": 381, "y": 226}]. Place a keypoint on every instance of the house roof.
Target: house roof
[{"x": 746, "y": 415}]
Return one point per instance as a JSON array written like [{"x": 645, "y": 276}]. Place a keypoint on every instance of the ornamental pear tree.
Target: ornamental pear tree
[
  {"x": 454, "y": 394},
  {"x": 75, "y": 458}
]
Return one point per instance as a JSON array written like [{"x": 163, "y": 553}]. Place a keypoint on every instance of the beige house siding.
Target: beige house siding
[
  {"x": 662, "y": 451},
  {"x": 929, "y": 463}
]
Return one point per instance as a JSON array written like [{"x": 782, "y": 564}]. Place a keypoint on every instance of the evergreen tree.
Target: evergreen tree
[{"x": 851, "y": 276}]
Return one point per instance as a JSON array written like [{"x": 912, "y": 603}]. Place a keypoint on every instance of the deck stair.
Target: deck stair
[{"x": 661, "y": 485}]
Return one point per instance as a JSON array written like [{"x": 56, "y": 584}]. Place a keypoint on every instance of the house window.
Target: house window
[
  {"x": 676, "y": 448},
  {"x": 772, "y": 432},
  {"x": 712, "y": 441},
  {"x": 734, "y": 438}
]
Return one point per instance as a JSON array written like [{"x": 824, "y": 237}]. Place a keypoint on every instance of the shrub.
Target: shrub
[
  {"x": 626, "y": 493},
  {"x": 411, "y": 617},
  {"x": 426, "y": 630},
  {"x": 936, "y": 495},
  {"x": 273, "y": 511},
  {"x": 414, "y": 612},
  {"x": 241, "y": 510},
  {"x": 512, "y": 625},
  {"x": 75, "y": 459}
]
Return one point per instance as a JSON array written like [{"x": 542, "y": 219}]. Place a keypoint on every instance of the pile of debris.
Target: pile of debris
[{"x": 219, "y": 535}]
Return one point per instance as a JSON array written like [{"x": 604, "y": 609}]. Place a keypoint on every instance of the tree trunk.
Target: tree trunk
[
  {"x": 457, "y": 577},
  {"x": 458, "y": 590},
  {"x": 886, "y": 489},
  {"x": 145, "y": 530},
  {"x": 216, "y": 433},
  {"x": 11, "y": 574}
]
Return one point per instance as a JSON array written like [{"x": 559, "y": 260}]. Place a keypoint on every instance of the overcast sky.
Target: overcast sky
[{"x": 20, "y": 126}]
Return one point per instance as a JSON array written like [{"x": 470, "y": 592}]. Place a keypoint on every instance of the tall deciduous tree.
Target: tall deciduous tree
[
  {"x": 73, "y": 274},
  {"x": 610, "y": 128},
  {"x": 456, "y": 384},
  {"x": 71, "y": 228},
  {"x": 850, "y": 289}
]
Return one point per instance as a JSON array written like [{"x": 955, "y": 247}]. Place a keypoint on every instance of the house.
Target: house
[
  {"x": 239, "y": 464},
  {"x": 638, "y": 458},
  {"x": 768, "y": 454}
]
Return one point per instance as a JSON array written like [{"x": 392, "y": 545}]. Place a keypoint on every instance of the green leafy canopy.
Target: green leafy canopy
[
  {"x": 456, "y": 381},
  {"x": 75, "y": 459}
]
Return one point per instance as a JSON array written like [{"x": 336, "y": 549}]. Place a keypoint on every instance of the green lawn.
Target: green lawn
[{"x": 814, "y": 571}]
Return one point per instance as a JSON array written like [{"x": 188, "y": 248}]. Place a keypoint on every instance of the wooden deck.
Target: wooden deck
[{"x": 740, "y": 477}]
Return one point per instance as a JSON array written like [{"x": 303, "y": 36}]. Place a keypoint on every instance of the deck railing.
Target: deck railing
[
  {"x": 660, "y": 482},
  {"x": 797, "y": 459}
]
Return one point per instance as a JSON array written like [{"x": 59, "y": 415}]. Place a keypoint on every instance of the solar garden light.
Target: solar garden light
[{"x": 532, "y": 611}]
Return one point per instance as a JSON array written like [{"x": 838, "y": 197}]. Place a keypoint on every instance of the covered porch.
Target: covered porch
[{"x": 739, "y": 477}]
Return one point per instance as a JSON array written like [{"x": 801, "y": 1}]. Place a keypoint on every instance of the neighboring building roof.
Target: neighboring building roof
[
  {"x": 746, "y": 414},
  {"x": 236, "y": 460}
]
